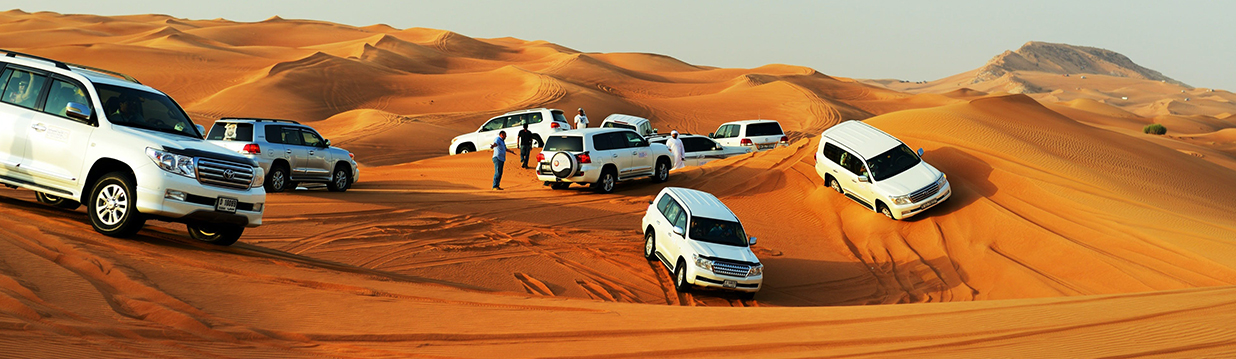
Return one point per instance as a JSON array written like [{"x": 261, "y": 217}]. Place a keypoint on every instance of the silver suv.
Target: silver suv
[
  {"x": 289, "y": 152},
  {"x": 80, "y": 135}
]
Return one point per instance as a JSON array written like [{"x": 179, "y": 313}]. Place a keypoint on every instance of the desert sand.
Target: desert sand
[{"x": 1070, "y": 232}]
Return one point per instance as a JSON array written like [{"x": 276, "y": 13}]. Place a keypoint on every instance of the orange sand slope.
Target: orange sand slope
[{"x": 1097, "y": 240}]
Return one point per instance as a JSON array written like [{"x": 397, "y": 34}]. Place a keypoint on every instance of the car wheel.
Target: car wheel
[
  {"x": 887, "y": 213},
  {"x": 465, "y": 148},
  {"x": 113, "y": 206},
  {"x": 56, "y": 201},
  {"x": 607, "y": 182},
  {"x": 680, "y": 277},
  {"x": 560, "y": 185},
  {"x": 339, "y": 180},
  {"x": 277, "y": 179},
  {"x": 650, "y": 245},
  {"x": 217, "y": 234},
  {"x": 661, "y": 173},
  {"x": 832, "y": 182}
]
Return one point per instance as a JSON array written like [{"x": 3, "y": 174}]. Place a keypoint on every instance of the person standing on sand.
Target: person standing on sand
[
  {"x": 500, "y": 151},
  {"x": 676, "y": 150},
  {"x": 525, "y": 145},
  {"x": 581, "y": 120}
]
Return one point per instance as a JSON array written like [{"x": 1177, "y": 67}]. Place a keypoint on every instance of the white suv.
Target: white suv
[
  {"x": 758, "y": 134},
  {"x": 541, "y": 121},
  {"x": 633, "y": 123},
  {"x": 701, "y": 241},
  {"x": 76, "y": 134},
  {"x": 698, "y": 150},
  {"x": 878, "y": 171},
  {"x": 600, "y": 157},
  {"x": 289, "y": 152}
]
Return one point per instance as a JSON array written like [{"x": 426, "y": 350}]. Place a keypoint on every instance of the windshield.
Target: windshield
[
  {"x": 142, "y": 109},
  {"x": 617, "y": 125},
  {"x": 564, "y": 143},
  {"x": 717, "y": 231},
  {"x": 891, "y": 163}
]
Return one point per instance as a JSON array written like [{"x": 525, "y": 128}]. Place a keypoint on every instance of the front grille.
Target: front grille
[
  {"x": 730, "y": 269},
  {"x": 223, "y": 173},
  {"x": 925, "y": 193}
]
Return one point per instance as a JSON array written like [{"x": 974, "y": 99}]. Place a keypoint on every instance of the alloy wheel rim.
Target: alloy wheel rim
[
  {"x": 277, "y": 179},
  {"x": 340, "y": 180},
  {"x": 682, "y": 277},
  {"x": 648, "y": 244},
  {"x": 609, "y": 183},
  {"x": 662, "y": 171},
  {"x": 111, "y": 205}
]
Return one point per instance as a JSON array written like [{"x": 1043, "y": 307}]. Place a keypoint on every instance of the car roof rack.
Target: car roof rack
[
  {"x": 258, "y": 119},
  {"x": 66, "y": 65}
]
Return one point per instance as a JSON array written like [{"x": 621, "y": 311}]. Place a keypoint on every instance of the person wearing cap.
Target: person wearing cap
[
  {"x": 676, "y": 150},
  {"x": 581, "y": 120}
]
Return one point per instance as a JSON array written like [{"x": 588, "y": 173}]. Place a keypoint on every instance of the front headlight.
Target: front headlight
[
  {"x": 174, "y": 163},
  {"x": 259, "y": 177},
  {"x": 942, "y": 181},
  {"x": 702, "y": 263},
  {"x": 756, "y": 271},
  {"x": 901, "y": 199}
]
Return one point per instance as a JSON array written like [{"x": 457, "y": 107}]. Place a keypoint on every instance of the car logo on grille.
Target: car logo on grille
[
  {"x": 229, "y": 174},
  {"x": 555, "y": 163}
]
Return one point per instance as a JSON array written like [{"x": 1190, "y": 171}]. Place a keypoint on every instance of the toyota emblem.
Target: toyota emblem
[{"x": 229, "y": 174}]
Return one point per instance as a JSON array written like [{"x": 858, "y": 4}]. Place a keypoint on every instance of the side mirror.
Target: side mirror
[
  {"x": 326, "y": 143},
  {"x": 751, "y": 241},
  {"x": 718, "y": 148},
  {"x": 712, "y": 135},
  {"x": 864, "y": 178},
  {"x": 200, "y": 129},
  {"x": 654, "y": 131},
  {"x": 78, "y": 111},
  {"x": 679, "y": 231},
  {"x": 920, "y": 152}
]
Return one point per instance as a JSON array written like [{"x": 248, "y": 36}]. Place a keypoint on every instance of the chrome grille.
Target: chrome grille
[
  {"x": 730, "y": 269},
  {"x": 216, "y": 172},
  {"x": 925, "y": 193}
]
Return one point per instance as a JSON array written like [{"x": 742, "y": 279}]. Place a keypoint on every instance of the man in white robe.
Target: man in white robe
[{"x": 676, "y": 150}]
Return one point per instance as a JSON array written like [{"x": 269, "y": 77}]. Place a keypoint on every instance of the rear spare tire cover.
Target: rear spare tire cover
[{"x": 563, "y": 164}]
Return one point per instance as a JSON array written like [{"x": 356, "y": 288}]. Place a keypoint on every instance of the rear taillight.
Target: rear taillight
[
  {"x": 584, "y": 158},
  {"x": 352, "y": 156},
  {"x": 540, "y": 157},
  {"x": 785, "y": 139},
  {"x": 252, "y": 148},
  {"x": 554, "y": 125},
  {"x": 746, "y": 142}
]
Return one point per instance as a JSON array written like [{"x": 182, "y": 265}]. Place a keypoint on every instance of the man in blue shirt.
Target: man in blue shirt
[{"x": 500, "y": 151}]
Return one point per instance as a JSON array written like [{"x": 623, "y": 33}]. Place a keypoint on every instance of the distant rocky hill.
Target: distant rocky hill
[{"x": 1064, "y": 59}]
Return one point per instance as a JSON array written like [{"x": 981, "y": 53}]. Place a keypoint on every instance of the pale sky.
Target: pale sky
[{"x": 1191, "y": 41}]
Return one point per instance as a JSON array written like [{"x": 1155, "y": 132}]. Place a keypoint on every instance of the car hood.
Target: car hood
[
  {"x": 722, "y": 251},
  {"x": 911, "y": 180},
  {"x": 188, "y": 146}
]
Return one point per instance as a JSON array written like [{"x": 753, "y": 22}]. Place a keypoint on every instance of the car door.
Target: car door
[
  {"x": 316, "y": 164},
  {"x": 854, "y": 168},
  {"x": 699, "y": 150},
  {"x": 274, "y": 146},
  {"x": 607, "y": 147},
  {"x": 725, "y": 135},
  {"x": 640, "y": 159},
  {"x": 668, "y": 243},
  {"x": 55, "y": 142},
  {"x": 828, "y": 161},
  {"x": 15, "y": 118},
  {"x": 514, "y": 124},
  {"x": 489, "y": 131},
  {"x": 294, "y": 150}
]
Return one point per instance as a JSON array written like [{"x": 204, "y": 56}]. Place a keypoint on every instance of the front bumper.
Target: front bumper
[
  {"x": 199, "y": 203},
  {"x": 704, "y": 278},
  {"x": 909, "y": 210}
]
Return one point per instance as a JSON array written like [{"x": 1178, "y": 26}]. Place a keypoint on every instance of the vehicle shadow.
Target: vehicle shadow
[
  {"x": 968, "y": 176},
  {"x": 803, "y": 282}
]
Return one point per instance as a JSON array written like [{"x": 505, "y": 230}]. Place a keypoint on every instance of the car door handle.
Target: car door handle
[
  {"x": 310, "y": 152},
  {"x": 615, "y": 155},
  {"x": 290, "y": 152},
  {"x": 39, "y": 127}
]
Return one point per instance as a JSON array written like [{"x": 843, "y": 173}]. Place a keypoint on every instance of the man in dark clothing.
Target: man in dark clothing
[{"x": 525, "y": 145}]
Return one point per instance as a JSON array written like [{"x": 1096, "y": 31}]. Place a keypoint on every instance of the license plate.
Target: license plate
[
  {"x": 765, "y": 147},
  {"x": 544, "y": 167},
  {"x": 729, "y": 284},
  {"x": 225, "y": 204}
]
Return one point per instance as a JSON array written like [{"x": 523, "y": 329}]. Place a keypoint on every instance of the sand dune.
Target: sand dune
[{"x": 1070, "y": 232}]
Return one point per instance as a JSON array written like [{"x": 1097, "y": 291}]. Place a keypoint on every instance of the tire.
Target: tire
[
  {"x": 560, "y": 185},
  {"x": 887, "y": 213},
  {"x": 113, "y": 206},
  {"x": 464, "y": 148},
  {"x": 832, "y": 182},
  {"x": 277, "y": 180},
  {"x": 55, "y": 201},
  {"x": 340, "y": 180},
  {"x": 650, "y": 244},
  {"x": 607, "y": 182},
  {"x": 563, "y": 165},
  {"x": 680, "y": 277},
  {"x": 661, "y": 172},
  {"x": 746, "y": 295},
  {"x": 217, "y": 234}
]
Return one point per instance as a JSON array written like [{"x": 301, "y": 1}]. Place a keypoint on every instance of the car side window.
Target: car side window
[
  {"x": 516, "y": 120},
  {"x": 62, "y": 93},
  {"x": 635, "y": 140},
  {"x": 22, "y": 88},
  {"x": 681, "y": 219},
  {"x": 535, "y": 118},
  {"x": 311, "y": 139},
  {"x": 274, "y": 134},
  {"x": 608, "y": 141},
  {"x": 663, "y": 204},
  {"x": 853, "y": 164},
  {"x": 832, "y": 152},
  {"x": 290, "y": 136},
  {"x": 494, "y": 124}
]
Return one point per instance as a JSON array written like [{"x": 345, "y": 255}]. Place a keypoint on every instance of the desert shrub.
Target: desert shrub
[{"x": 1154, "y": 129}]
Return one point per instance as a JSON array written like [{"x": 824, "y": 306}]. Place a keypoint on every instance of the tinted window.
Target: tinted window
[
  {"x": 608, "y": 141},
  {"x": 273, "y": 133},
  {"x": 289, "y": 136},
  {"x": 516, "y": 120},
  {"x": 893, "y": 162},
  {"x": 22, "y": 88},
  {"x": 832, "y": 152},
  {"x": 494, "y": 124},
  {"x": 534, "y": 118},
  {"x": 663, "y": 204},
  {"x": 617, "y": 125},
  {"x": 697, "y": 144},
  {"x": 62, "y": 93},
  {"x": 142, "y": 109},
  {"x": 764, "y": 129},
  {"x": 311, "y": 139},
  {"x": 232, "y": 132},
  {"x": 635, "y": 140},
  {"x": 674, "y": 213},
  {"x": 717, "y": 231},
  {"x": 558, "y": 117},
  {"x": 564, "y": 143},
  {"x": 853, "y": 164}
]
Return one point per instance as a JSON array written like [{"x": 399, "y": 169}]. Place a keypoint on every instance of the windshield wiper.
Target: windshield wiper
[{"x": 152, "y": 128}]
